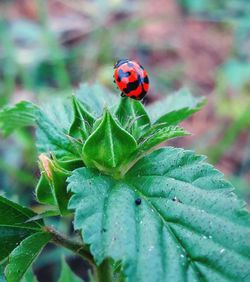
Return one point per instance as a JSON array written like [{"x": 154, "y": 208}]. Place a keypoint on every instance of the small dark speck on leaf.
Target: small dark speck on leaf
[
  {"x": 138, "y": 201},
  {"x": 104, "y": 230},
  {"x": 175, "y": 199}
]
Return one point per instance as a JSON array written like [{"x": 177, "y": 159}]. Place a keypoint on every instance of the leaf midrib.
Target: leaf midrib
[
  {"x": 20, "y": 227},
  {"x": 224, "y": 218},
  {"x": 111, "y": 142},
  {"x": 178, "y": 241},
  {"x": 17, "y": 208},
  {"x": 164, "y": 222}
]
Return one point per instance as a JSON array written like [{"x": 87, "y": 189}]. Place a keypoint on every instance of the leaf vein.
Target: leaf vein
[{"x": 173, "y": 235}]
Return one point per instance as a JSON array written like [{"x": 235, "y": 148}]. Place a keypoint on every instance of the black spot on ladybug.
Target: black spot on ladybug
[
  {"x": 146, "y": 79},
  {"x": 131, "y": 86},
  {"x": 138, "y": 201},
  {"x": 141, "y": 96}
]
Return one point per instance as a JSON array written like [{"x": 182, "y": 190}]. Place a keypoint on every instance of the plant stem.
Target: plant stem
[
  {"x": 103, "y": 272},
  {"x": 76, "y": 247}
]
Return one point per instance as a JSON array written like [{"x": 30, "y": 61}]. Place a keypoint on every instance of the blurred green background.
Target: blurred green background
[{"x": 47, "y": 48}]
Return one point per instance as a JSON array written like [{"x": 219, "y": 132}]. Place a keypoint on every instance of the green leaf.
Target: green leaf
[
  {"x": 59, "y": 185},
  {"x": 49, "y": 136},
  {"x": 155, "y": 136},
  {"x": 21, "y": 115},
  {"x": 67, "y": 163},
  {"x": 175, "y": 108},
  {"x": 2, "y": 278},
  {"x": 13, "y": 225},
  {"x": 83, "y": 121},
  {"x": 23, "y": 256},
  {"x": 109, "y": 145},
  {"x": 45, "y": 214},
  {"x": 52, "y": 187},
  {"x": 44, "y": 191},
  {"x": 67, "y": 274},
  {"x": 95, "y": 98},
  {"x": 132, "y": 116},
  {"x": 59, "y": 111},
  {"x": 52, "y": 139},
  {"x": 189, "y": 226},
  {"x": 29, "y": 276}
]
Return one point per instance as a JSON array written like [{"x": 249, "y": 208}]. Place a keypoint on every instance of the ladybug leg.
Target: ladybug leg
[{"x": 123, "y": 95}]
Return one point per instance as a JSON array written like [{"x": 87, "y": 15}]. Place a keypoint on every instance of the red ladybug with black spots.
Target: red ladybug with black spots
[{"x": 131, "y": 79}]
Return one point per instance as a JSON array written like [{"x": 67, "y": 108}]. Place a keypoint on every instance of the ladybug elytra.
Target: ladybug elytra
[{"x": 131, "y": 79}]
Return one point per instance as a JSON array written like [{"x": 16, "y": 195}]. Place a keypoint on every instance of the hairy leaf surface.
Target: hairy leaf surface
[
  {"x": 156, "y": 136},
  {"x": 172, "y": 218},
  {"x": 132, "y": 116},
  {"x": 109, "y": 144},
  {"x": 52, "y": 188},
  {"x": 83, "y": 121},
  {"x": 44, "y": 192}
]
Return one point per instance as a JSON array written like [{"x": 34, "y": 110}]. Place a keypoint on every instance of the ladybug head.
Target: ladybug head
[{"x": 120, "y": 62}]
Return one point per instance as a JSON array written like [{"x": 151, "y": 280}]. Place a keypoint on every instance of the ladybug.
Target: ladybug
[{"x": 131, "y": 79}]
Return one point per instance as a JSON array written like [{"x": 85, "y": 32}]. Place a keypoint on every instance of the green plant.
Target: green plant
[{"x": 144, "y": 213}]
